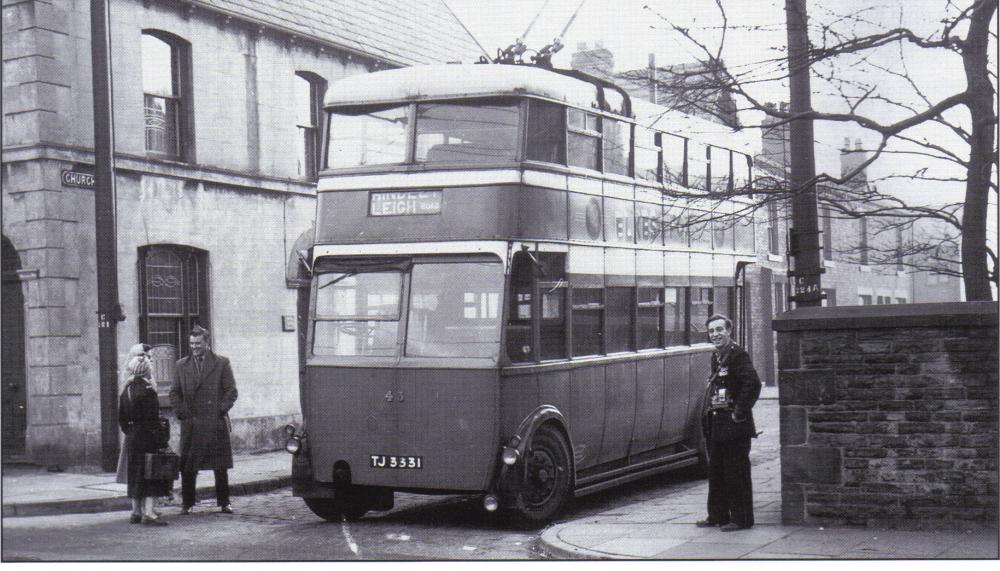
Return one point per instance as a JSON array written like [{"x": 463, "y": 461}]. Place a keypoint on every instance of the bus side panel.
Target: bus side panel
[
  {"x": 701, "y": 370},
  {"x": 448, "y": 418},
  {"x": 554, "y": 389},
  {"x": 542, "y": 213},
  {"x": 587, "y": 414},
  {"x": 677, "y": 377},
  {"x": 619, "y": 410},
  {"x": 648, "y": 405},
  {"x": 518, "y": 397}
]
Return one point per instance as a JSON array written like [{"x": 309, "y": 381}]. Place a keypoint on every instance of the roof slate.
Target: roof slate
[{"x": 405, "y": 32}]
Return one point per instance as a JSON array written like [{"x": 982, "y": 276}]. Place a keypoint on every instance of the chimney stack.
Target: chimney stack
[
  {"x": 599, "y": 62},
  {"x": 850, "y": 159}
]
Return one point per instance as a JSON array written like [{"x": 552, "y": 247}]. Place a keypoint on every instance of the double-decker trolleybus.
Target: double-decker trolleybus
[{"x": 505, "y": 298}]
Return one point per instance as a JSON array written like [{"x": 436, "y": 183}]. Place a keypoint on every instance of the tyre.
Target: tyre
[
  {"x": 349, "y": 506},
  {"x": 546, "y": 487}
]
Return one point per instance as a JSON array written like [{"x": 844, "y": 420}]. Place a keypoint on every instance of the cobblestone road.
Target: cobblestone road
[{"x": 277, "y": 526}]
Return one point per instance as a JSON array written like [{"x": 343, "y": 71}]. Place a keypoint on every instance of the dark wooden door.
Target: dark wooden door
[{"x": 15, "y": 417}]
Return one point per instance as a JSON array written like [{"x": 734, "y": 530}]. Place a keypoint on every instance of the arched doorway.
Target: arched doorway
[{"x": 15, "y": 403}]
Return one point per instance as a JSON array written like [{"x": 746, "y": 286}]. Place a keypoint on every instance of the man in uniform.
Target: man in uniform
[
  {"x": 202, "y": 395},
  {"x": 728, "y": 422}
]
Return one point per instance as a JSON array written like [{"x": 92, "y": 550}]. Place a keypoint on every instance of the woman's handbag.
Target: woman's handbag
[
  {"x": 162, "y": 465},
  {"x": 162, "y": 433}
]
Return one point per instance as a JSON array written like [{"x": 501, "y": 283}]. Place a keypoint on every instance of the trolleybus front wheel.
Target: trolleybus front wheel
[
  {"x": 546, "y": 486},
  {"x": 351, "y": 508}
]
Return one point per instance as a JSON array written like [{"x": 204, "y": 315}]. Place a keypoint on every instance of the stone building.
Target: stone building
[{"x": 217, "y": 124}]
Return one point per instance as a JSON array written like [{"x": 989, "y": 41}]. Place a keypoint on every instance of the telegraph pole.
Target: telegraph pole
[
  {"x": 109, "y": 311},
  {"x": 804, "y": 243}
]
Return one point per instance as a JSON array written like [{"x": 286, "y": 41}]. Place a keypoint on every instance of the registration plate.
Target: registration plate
[{"x": 396, "y": 462}]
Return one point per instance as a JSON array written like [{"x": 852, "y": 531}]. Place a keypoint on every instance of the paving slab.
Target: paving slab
[
  {"x": 637, "y": 547},
  {"x": 706, "y": 551}
]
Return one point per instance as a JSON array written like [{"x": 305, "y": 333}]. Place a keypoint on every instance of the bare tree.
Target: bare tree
[{"x": 916, "y": 124}]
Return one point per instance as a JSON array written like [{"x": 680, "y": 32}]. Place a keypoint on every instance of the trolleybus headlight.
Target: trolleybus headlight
[
  {"x": 510, "y": 456},
  {"x": 290, "y": 430},
  {"x": 293, "y": 445},
  {"x": 490, "y": 503}
]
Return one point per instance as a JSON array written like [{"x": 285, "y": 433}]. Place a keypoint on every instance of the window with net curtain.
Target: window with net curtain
[{"x": 163, "y": 93}]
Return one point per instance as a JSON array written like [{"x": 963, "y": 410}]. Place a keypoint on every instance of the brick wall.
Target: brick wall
[{"x": 889, "y": 415}]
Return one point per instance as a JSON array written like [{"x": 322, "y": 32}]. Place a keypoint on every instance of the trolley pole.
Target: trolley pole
[
  {"x": 804, "y": 243},
  {"x": 109, "y": 311}
]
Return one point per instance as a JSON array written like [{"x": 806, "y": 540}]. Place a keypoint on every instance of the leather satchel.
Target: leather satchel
[{"x": 163, "y": 465}]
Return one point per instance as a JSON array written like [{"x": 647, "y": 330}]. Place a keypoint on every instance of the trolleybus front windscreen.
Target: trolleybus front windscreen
[
  {"x": 357, "y": 314},
  {"x": 454, "y": 310}
]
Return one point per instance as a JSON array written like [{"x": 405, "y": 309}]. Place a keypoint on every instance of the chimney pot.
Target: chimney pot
[
  {"x": 857, "y": 144},
  {"x": 847, "y": 143}
]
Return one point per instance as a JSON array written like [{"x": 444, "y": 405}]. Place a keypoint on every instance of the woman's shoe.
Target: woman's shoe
[
  {"x": 152, "y": 521},
  {"x": 136, "y": 518}
]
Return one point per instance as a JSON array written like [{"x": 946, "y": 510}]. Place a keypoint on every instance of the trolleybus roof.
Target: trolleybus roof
[
  {"x": 438, "y": 81},
  {"x": 460, "y": 81}
]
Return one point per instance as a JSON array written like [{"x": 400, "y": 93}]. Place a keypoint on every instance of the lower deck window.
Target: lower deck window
[
  {"x": 701, "y": 309},
  {"x": 620, "y": 318},
  {"x": 650, "y": 310},
  {"x": 675, "y": 316},
  {"x": 588, "y": 326}
]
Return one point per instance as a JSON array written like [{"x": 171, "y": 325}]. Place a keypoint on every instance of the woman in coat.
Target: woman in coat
[
  {"x": 121, "y": 476},
  {"x": 139, "y": 418}
]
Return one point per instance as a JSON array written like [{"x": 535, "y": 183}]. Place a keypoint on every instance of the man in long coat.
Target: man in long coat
[{"x": 202, "y": 395}]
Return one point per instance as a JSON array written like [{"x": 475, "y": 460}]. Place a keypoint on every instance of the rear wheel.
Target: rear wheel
[
  {"x": 546, "y": 486},
  {"x": 347, "y": 505}
]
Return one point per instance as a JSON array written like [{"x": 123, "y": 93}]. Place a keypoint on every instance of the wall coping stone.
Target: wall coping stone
[{"x": 952, "y": 314}]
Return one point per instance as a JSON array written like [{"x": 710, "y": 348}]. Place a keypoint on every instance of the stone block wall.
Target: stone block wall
[{"x": 889, "y": 415}]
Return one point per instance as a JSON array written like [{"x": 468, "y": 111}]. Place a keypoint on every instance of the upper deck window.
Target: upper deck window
[
  {"x": 647, "y": 154},
  {"x": 466, "y": 132},
  {"x": 741, "y": 172},
  {"x": 697, "y": 166},
  {"x": 546, "y": 132},
  {"x": 722, "y": 164},
  {"x": 674, "y": 159},
  {"x": 584, "y": 141},
  {"x": 617, "y": 137},
  {"x": 368, "y": 136}
]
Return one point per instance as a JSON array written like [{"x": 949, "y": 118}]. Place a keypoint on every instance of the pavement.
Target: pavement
[
  {"x": 32, "y": 490},
  {"x": 663, "y": 528},
  {"x": 657, "y": 527}
]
